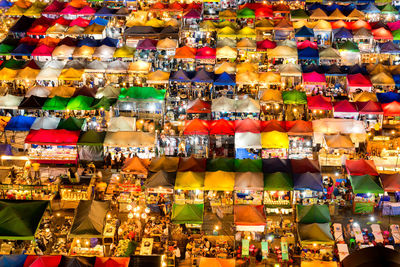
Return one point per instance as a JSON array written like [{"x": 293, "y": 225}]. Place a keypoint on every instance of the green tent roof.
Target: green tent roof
[
  {"x": 396, "y": 34},
  {"x": 366, "y": 184},
  {"x": 299, "y": 14},
  {"x": 278, "y": 181},
  {"x": 313, "y": 214},
  {"x": 56, "y": 103},
  {"x": 20, "y": 219},
  {"x": 103, "y": 102},
  {"x": 318, "y": 233},
  {"x": 245, "y": 13},
  {"x": 221, "y": 164},
  {"x": 294, "y": 97},
  {"x": 143, "y": 93},
  {"x": 71, "y": 124},
  {"x": 388, "y": 9},
  {"x": 91, "y": 138},
  {"x": 248, "y": 165},
  {"x": 349, "y": 46},
  {"x": 80, "y": 102},
  {"x": 13, "y": 64},
  {"x": 188, "y": 213},
  {"x": 6, "y": 49}
]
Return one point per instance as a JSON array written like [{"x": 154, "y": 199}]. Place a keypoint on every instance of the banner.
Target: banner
[
  {"x": 264, "y": 249},
  {"x": 285, "y": 251},
  {"x": 245, "y": 247}
]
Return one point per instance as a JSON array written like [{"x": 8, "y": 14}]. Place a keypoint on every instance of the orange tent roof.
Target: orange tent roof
[
  {"x": 136, "y": 165},
  {"x": 196, "y": 127},
  {"x": 185, "y": 52},
  {"x": 198, "y": 106},
  {"x": 192, "y": 164}
]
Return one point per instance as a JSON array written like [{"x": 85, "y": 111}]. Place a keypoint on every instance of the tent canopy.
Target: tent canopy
[
  {"x": 91, "y": 137},
  {"x": 390, "y": 182},
  {"x": 319, "y": 233},
  {"x": 52, "y": 137},
  {"x": 249, "y": 215},
  {"x": 161, "y": 179},
  {"x": 221, "y": 164},
  {"x": 294, "y": 97},
  {"x": 305, "y": 165},
  {"x": 188, "y": 213},
  {"x": 249, "y": 181},
  {"x": 222, "y": 127},
  {"x": 189, "y": 180},
  {"x": 219, "y": 181},
  {"x": 129, "y": 139},
  {"x": 361, "y": 167},
  {"x": 278, "y": 181},
  {"x": 308, "y": 181},
  {"x": 339, "y": 141},
  {"x": 366, "y": 184},
  {"x": 192, "y": 164},
  {"x": 313, "y": 214},
  {"x": 135, "y": 165},
  {"x": 274, "y": 139},
  {"x": 20, "y": 123},
  {"x": 167, "y": 164},
  {"x": 372, "y": 256}
]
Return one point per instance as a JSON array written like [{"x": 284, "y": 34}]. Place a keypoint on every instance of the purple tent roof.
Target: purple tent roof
[
  {"x": 180, "y": 76},
  {"x": 202, "y": 76},
  {"x": 389, "y": 48},
  {"x": 147, "y": 44},
  {"x": 192, "y": 14}
]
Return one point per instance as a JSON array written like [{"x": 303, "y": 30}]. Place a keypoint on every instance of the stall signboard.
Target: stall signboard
[
  {"x": 264, "y": 249},
  {"x": 285, "y": 252},
  {"x": 250, "y": 228},
  {"x": 147, "y": 246},
  {"x": 245, "y": 247},
  {"x": 160, "y": 190}
]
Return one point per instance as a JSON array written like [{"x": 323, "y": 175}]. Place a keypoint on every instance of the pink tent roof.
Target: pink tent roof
[
  {"x": 87, "y": 11},
  {"x": 307, "y": 43},
  {"x": 358, "y": 80},
  {"x": 80, "y": 22},
  {"x": 319, "y": 102},
  {"x": 344, "y": 106},
  {"x": 266, "y": 44},
  {"x": 192, "y": 14},
  {"x": 393, "y": 25},
  {"x": 54, "y": 7},
  {"x": 69, "y": 10},
  {"x": 314, "y": 78},
  {"x": 42, "y": 50},
  {"x": 206, "y": 53}
]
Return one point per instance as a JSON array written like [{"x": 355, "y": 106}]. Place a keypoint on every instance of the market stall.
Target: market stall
[
  {"x": 278, "y": 187},
  {"x": 219, "y": 185},
  {"x": 366, "y": 188},
  {"x": 249, "y": 188},
  {"x": 189, "y": 187}
]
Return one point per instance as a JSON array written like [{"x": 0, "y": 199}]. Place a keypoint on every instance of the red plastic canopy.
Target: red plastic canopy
[
  {"x": 305, "y": 165},
  {"x": 273, "y": 125},
  {"x": 359, "y": 167},
  {"x": 391, "y": 109},
  {"x": 358, "y": 80},
  {"x": 198, "y": 106},
  {"x": 390, "y": 182},
  {"x": 52, "y": 137},
  {"x": 344, "y": 106},
  {"x": 319, "y": 102},
  {"x": 196, "y": 127},
  {"x": 112, "y": 262},
  {"x": 307, "y": 43},
  {"x": 314, "y": 78},
  {"x": 222, "y": 127},
  {"x": 206, "y": 53},
  {"x": 247, "y": 125},
  {"x": 42, "y": 261},
  {"x": 369, "y": 107},
  {"x": 299, "y": 127}
]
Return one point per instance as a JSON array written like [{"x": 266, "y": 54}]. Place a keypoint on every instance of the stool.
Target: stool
[{"x": 352, "y": 243}]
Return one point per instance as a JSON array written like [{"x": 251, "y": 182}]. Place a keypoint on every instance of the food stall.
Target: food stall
[
  {"x": 300, "y": 139},
  {"x": 189, "y": 187},
  {"x": 197, "y": 140},
  {"x": 76, "y": 190},
  {"x": 366, "y": 188},
  {"x": 248, "y": 188},
  {"x": 219, "y": 185},
  {"x": 278, "y": 187},
  {"x": 250, "y": 222},
  {"x": 274, "y": 144},
  {"x": 336, "y": 147},
  {"x": 391, "y": 185},
  {"x": 159, "y": 183},
  {"x": 222, "y": 138},
  {"x": 28, "y": 192}
]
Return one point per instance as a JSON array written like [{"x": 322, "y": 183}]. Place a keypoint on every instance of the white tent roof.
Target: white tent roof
[
  {"x": 108, "y": 91},
  {"x": 354, "y": 128},
  {"x": 47, "y": 123},
  {"x": 290, "y": 69},
  {"x": 55, "y": 64},
  {"x": 96, "y": 66},
  {"x": 117, "y": 66},
  {"x": 247, "y": 105},
  {"x": 40, "y": 91},
  {"x": 248, "y": 140},
  {"x": 63, "y": 52},
  {"x": 122, "y": 124},
  {"x": 129, "y": 139},
  {"x": 104, "y": 52},
  {"x": 48, "y": 74},
  {"x": 10, "y": 101},
  {"x": 223, "y": 104}
]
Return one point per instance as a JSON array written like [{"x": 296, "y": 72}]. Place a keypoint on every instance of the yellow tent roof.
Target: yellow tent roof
[
  {"x": 228, "y": 23},
  {"x": 226, "y": 52},
  {"x": 63, "y": 51},
  {"x": 338, "y": 141},
  {"x": 35, "y": 10},
  {"x": 365, "y": 97},
  {"x": 226, "y": 32},
  {"x": 15, "y": 10},
  {"x": 139, "y": 66},
  {"x": 227, "y": 14},
  {"x": 336, "y": 15},
  {"x": 189, "y": 180},
  {"x": 56, "y": 28},
  {"x": 71, "y": 74},
  {"x": 274, "y": 139},
  {"x": 247, "y": 78},
  {"x": 247, "y": 32},
  {"x": 158, "y": 76},
  {"x": 3, "y": 122},
  {"x": 300, "y": 23},
  {"x": 62, "y": 91},
  {"x": 208, "y": 25},
  {"x": 124, "y": 52},
  {"x": 382, "y": 79},
  {"x": 246, "y": 43},
  {"x": 27, "y": 73},
  {"x": 219, "y": 181},
  {"x": 323, "y": 25},
  {"x": 264, "y": 24},
  {"x": 156, "y": 23},
  {"x": 246, "y": 66},
  {"x": 271, "y": 95},
  {"x": 227, "y": 67},
  {"x": 318, "y": 14},
  {"x": 282, "y": 51},
  {"x": 84, "y": 51},
  {"x": 167, "y": 43},
  {"x": 94, "y": 29},
  {"x": 378, "y": 68},
  {"x": 75, "y": 30},
  {"x": 172, "y": 22},
  {"x": 290, "y": 69},
  {"x": 7, "y": 74},
  {"x": 269, "y": 78},
  {"x": 135, "y": 22},
  {"x": 356, "y": 15}
]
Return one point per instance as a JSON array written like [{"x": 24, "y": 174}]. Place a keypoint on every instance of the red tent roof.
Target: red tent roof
[
  {"x": 247, "y": 125},
  {"x": 391, "y": 109},
  {"x": 344, "y": 106},
  {"x": 222, "y": 127},
  {"x": 42, "y": 261},
  {"x": 382, "y": 33},
  {"x": 361, "y": 167},
  {"x": 196, "y": 127},
  {"x": 273, "y": 125},
  {"x": 194, "y": 5},
  {"x": 112, "y": 262},
  {"x": 369, "y": 107},
  {"x": 305, "y": 165},
  {"x": 266, "y": 44},
  {"x": 358, "y": 80},
  {"x": 52, "y": 137},
  {"x": 38, "y": 30},
  {"x": 42, "y": 50},
  {"x": 314, "y": 78},
  {"x": 340, "y": 24},
  {"x": 192, "y": 14},
  {"x": 198, "y": 106},
  {"x": 158, "y": 5},
  {"x": 299, "y": 127},
  {"x": 319, "y": 102},
  {"x": 177, "y": 6},
  {"x": 29, "y": 41},
  {"x": 307, "y": 43},
  {"x": 394, "y": 25},
  {"x": 62, "y": 21},
  {"x": 87, "y": 11},
  {"x": 80, "y": 22},
  {"x": 206, "y": 52},
  {"x": 390, "y": 182},
  {"x": 360, "y": 24},
  {"x": 249, "y": 215},
  {"x": 54, "y": 7},
  {"x": 264, "y": 12}
]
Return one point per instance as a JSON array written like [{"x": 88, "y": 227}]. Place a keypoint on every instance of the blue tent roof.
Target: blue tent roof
[
  {"x": 23, "y": 50},
  {"x": 308, "y": 53},
  {"x": 308, "y": 180},
  {"x": 371, "y": 8},
  {"x": 331, "y": 8},
  {"x": 88, "y": 42},
  {"x": 105, "y": 12},
  {"x": 389, "y": 48},
  {"x": 109, "y": 42},
  {"x": 225, "y": 79},
  {"x": 99, "y": 21},
  {"x": 20, "y": 123},
  {"x": 5, "y": 149},
  {"x": 342, "y": 33},
  {"x": 276, "y": 165},
  {"x": 12, "y": 260},
  {"x": 388, "y": 97},
  {"x": 356, "y": 69},
  {"x": 316, "y": 5},
  {"x": 5, "y": 4},
  {"x": 304, "y": 32},
  {"x": 311, "y": 68},
  {"x": 396, "y": 79}
]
